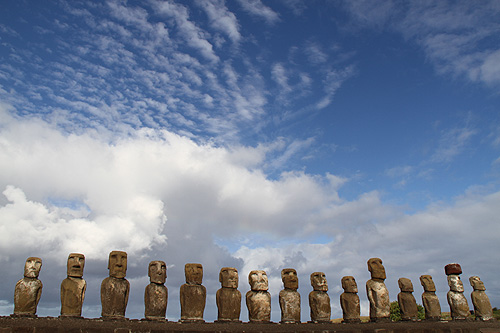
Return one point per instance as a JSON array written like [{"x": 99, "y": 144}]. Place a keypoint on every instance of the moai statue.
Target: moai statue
[
  {"x": 228, "y": 297},
  {"x": 193, "y": 295},
  {"x": 406, "y": 301},
  {"x": 156, "y": 294},
  {"x": 349, "y": 300},
  {"x": 377, "y": 292},
  {"x": 28, "y": 290},
  {"x": 115, "y": 288},
  {"x": 319, "y": 301},
  {"x": 481, "y": 302},
  {"x": 459, "y": 307},
  {"x": 258, "y": 298},
  {"x": 430, "y": 299},
  {"x": 289, "y": 297},
  {"x": 73, "y": 287}
]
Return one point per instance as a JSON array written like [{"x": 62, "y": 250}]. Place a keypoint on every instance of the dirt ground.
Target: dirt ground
[{"x": 49, "y": 324}]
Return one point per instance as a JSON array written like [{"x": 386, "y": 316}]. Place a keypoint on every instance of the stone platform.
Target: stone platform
[{"x": 50, "y": 324}]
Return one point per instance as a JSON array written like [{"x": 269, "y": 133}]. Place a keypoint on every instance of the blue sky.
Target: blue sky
[{"x": 254, "y": 134}]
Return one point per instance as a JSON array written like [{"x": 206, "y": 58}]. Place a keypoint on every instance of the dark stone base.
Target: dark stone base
[
  {"x": 380, "y": 320},
  {"x": 351, "y": 321},
  {"x": 191, "y": 321}
]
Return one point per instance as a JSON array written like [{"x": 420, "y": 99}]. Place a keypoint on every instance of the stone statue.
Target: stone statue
[
  {"x": 258, "y": 298},
  {"x": 193, "y": 295},
  {"x": 319, "y": 301},
  {"x": 377, "y": 292},
  {"x": 406, "y": 301},
  {"x": 29, "y": 289},
  {"x": 481, "y": 302},
  {"x": 156, "y": 294},
  {"x": 430, "y": 299},
  {"x": 73, "y": 287},
  {"x": 459, "y": 307},
  {"x": 349, "y": 300},
  {"x": 228, "y": 297},
  {"x": 115, "y": 288},
  {"x": 289, "y": 297}
]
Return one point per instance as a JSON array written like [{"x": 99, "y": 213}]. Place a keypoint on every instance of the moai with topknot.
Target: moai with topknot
[
  {"x": 289, "y": 298},
  {"x": 228, "y": 297},
  {"x": 349, "y": 300},
  {"x": 28, "y": 290},
  {"x": 430, "y": 300},
  {"x": 193, "y": 294},
  {"x": 73, "y": 287},
  {"x": 115, "y": 288},
  {"x": 406, "y": 300},
  {"x": 459, "y": 307},
  {"x": 156, "y": 294},
  {"x": 377, "y": 292},
  {"x": 481, "y": 302},
  {"x": 258, "y": 299},
  {"x": 319, "y": 301}
]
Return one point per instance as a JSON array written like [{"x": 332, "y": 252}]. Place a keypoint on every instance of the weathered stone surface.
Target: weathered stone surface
[
  {"x": 73, "y": 287},
  {"x": 289, "y": 298},
  {"x": 480, "y": 301},
  {"x": 349, "y": 300},
  {"x": 319, "y": 301},
  {"x": 115, "y": 288},
  {"x": 430, "y": 301},
  {"x": 258, "y": 298},
  {"x": 156, "y": 294},
  {"x": 453, "y": 268},
  {"x": 228, "y": 297},
  {"x": 28, "y": 290},
  {"x": 192, "y": 294},
  {"x": 377, "y": 292},
  {"x": 459, "y": 307},
  {"x": 406, "y": 300}
]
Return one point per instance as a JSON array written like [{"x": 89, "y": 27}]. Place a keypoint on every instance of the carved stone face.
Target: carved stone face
[
  {"x": 228, "y": 277},
  {"x": 193, "y": 273},
  {"x": 318, "y": 281},
  {"x": 157, "y": 272},
  {"x": 405, "y": 285},
  {"x": 117, "y": 264},
  {"x": 32, "y": 267},
  {"x": 455, "y": 283},
  {"x": 75, "y": 265},
  {"x": 349, "y": 284},
  {"x": 427, "y": 283},
  {"x": 289, "y": 278},
  {"x": 258, "y": 280},
  {"x": 476, "y": 283},
  {"x": 376, "y": 268}
]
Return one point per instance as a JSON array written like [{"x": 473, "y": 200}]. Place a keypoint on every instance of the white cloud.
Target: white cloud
[
  {"x": 452, "y": 143},
  {"x": 221, "y": 18},
  {"x": 258, "y": 9}
]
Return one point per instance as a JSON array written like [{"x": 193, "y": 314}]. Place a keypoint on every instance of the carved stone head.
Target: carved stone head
[
  {"x": 117, "y": 264},
  {"x": 157, "y": 272},
  {"x": 427, "y": 283},
  {"x": 405, "y": 285},
  {"x": 228, "y": 277},
  {"x": 376, "y": 268},
  {"x": 349, "y": 284},
  {"x": 289, "y": 278},
  {"x": 75, "y": 265},
  {"x": 32, "y": 267},
  {"x": 318, "y": 281},
  {"x": 194, "y": 273},
  {"x": 455, "y": 283},
  {"x": 476, "y": 283},
  {"x": 258, "y": 280}
]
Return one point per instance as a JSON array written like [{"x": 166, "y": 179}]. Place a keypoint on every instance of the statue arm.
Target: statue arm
[
  {"x": 127, "y": 292},
  {"x": 369, "y": 293},
  {"x": 84, "y": 289},
  {"x": 38, "y": 293}
]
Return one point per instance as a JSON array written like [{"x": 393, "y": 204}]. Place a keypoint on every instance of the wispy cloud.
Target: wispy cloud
[
  {"x": 221, "y": 18},
  {"x": 259, "y": 10}
]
